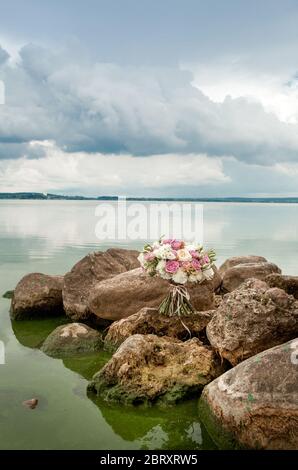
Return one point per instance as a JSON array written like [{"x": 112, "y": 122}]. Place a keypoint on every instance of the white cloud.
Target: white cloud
[
  {"x": 229, "y": 76},
  {"x": 103, "y": 174},
  {"x": 107, "y": 108}
]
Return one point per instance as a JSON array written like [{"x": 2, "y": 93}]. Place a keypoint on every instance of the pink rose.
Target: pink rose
[
  {"x": 177, "y": 244},
  {"x": 149, "y": 256},
  {"x": 194, "y": 254},
  {"x": 186, "y": 266},
  {"x": 167, "y": 241},
  {"x": 196, "y": 264},
  {"x": 172, "y": 266},
  {"x": 205, "y": 260}
]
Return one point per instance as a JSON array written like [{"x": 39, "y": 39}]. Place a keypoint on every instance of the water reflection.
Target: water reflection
[
  {"x": 32, "y": 333},
  {"x": 37, "y": 231},
  {"x": 51, "y": 236},
  {"x": 175, "y": 427},
  {"x": 146, "y": 428}
]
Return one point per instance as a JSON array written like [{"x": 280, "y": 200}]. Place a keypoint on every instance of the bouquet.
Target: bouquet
[{"x": 179, "y": 263}]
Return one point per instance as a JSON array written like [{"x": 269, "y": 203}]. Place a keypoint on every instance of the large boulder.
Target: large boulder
[
  {"x": 236, "y": 270},
  {"x": 255, "y": 404},
  {"x": 217, "y": 279},
  {"x": 287, "y": 283},
  {"x": 90, "y": 270},
  {"x": 73, "y": 338},
  {"x": 127, "y": 293},
  {"x": 251, "y": 319},
  {"x": 37, "y": 295},
  {"x": 236, "y": 260},
  {"x": 147, "y": 369},
  {"x": 149, "y": 321}
]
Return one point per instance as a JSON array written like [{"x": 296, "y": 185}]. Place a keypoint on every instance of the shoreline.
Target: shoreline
[{"x": 56, "y": 197}]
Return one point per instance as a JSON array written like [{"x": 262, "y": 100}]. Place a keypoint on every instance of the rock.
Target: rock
[
  {"x": 8, "y": 294},
  {"x": 147, "y": 369},
  {"x": 251, "y": 319},
  {"x": 32, "y": 403},
  {"x": 127, "y": 293},
  {"x": 255, "y": 404},
  {"x": 92, "y": 269},
  {"x": 217, "y": 300},
  {"x": 236, "y": 260},
  {"x": 73, "y": 338},
  {"x": 217, "y": 279},
  {"x": 287, "y": 283},
  {"x": 37, "y": 295},
  {"x": 236, "y": 270},
  {"x": 149, "y": 321}
]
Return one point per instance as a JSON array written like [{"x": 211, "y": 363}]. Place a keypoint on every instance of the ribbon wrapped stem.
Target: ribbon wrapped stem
[{"x": 177, "y": 302}]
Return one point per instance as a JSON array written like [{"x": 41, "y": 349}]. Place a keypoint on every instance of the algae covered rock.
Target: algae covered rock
[
  {"x": 149, "y": 369},
  {"x": 90, "y": 270},
  {"x": 73, "y": 338},
  {"x": 37, "y": 295},
  {"x": 255, "y": 404},
  {"x": 251, "y": 319},
  {"x": 8, "y": 294},
  {"x": 149, "y": 321}
]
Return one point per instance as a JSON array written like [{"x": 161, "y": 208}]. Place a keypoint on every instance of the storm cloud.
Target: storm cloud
[{"x": 86, "y": 106}]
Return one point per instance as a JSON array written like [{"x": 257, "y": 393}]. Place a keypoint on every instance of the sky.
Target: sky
[{"x": 149, "y": 98}]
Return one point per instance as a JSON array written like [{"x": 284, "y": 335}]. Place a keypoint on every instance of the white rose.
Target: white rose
[
  {"x": 155, "y": 245},
  {"x": 160, "y": 268},
  {"x": 196, "y": 277},
  {"x": 184, "y": 255},
  {"x": 165, "y": 275},
  {"x": 165, "y": 252},
  {"x": 191, "y": 247},
  {"x": 180, "y": 277},
  {"x": 192, "y": 278},
  {"x": 208, "y": 274},
  {"x": 161, "y": 271}
]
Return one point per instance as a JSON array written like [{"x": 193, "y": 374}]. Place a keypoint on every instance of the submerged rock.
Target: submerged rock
[
  {"x": 90, "y": 270},
  {"x": 148, "y": 369},
  {"x": 287, "y": 283},
  {"x": 127, "y": 293},
  {"x": 149, "y": 321},
  {"x": 31, "y": 404},
  {"x": 251, "y": 319},
  {"x": 255, "y": 404},
  {"x": 73, "y": 338},
  {"x": 37, "y": 295},
  {"x": 236, "y": 270}
]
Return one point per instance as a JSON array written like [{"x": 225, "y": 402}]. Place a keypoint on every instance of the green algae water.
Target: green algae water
[{"x": 51, "y": 236}]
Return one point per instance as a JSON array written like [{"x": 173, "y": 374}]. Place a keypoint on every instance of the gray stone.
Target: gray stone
[{"x": 255, "y": 404}]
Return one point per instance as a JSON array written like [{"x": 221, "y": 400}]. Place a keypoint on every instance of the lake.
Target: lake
[{"x": 50, "y": 237}]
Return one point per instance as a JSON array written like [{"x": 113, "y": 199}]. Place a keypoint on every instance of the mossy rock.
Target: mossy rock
[
  {"x": 74, "y": 338},
  {"x": 8, "y": 294},
  {"x": 148, "y": 369}
]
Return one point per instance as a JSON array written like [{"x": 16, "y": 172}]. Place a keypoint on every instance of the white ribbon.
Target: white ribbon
[{"x": 179, "y": 293}]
